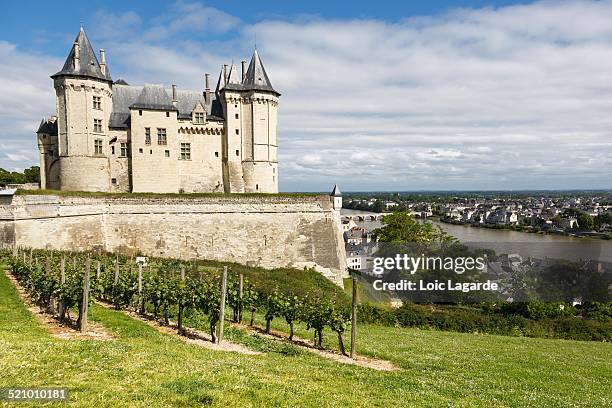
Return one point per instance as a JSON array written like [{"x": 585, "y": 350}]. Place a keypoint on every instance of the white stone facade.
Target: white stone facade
[{"x": 113, "y": 137}]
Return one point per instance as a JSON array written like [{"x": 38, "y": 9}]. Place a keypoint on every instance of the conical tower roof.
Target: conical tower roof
[
  {"x": 336, "y": 191},
  {"x": 88, "y": 62},
  {"x": 256, "y": 77}
]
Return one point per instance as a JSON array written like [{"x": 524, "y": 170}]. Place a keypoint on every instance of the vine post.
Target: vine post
[
  {"x": 180, "y": 305},
  {"x": 116, "y": 271},
  {"x": 140, "y": 297},
  {"x": 354, "y": 318},
  {"x": 48, "y": 273},
  {"x": 240, "y": 294},
  {"x": 62, "y": 305},
  {"x": 85, "y": 299},
  {"x": 222, "y": 305}
]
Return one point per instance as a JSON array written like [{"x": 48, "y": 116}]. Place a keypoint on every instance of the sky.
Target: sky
[{"x": 445, "y": 95}]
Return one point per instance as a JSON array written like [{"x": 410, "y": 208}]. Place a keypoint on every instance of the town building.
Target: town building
[{"x": 111, "y": 136}]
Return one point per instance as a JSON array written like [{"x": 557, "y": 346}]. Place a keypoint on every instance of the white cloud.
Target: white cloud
[{"x": 509, "y": 97}]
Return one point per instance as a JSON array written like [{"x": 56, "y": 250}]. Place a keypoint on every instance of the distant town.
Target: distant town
[{"x": 578, "y": 214}]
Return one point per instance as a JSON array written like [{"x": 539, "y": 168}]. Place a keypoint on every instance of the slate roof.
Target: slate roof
[
  {"x": 88, "y": 62},
  {"x": 256, "y": 76},
  {"x": 126, "y": 96},
  {"x": 48, "y": 126},
  {"x": 336, "y": 191},
  {"x": 153, "y": 96},
  {"x": 255, "y": 79}
]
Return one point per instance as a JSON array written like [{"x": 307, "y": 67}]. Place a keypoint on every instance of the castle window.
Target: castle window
[
  {"x": 198, "y": 118},
  {"x": 98, "y": 146},
  {"x": 114, "y": 180},
  {"x": 140, "y": 151},
  {"x": 97, "y": 102},
  {"x": 185, "y": 151},
  {"x": 112, "y": 149},
  {"x": 147, "y": 136},
  {"x": 162, "y": 137},
  {"x": 98, "y": 125},
  {"x": 236, "y": 116},
  {"x": 256, "y": 186},
  {"x": 273, "y": 178},
  {"x": 237, "y": 132},
  {"x": 124, "y": 150},
  {"x": 140, "y": 112},
  {"x": 216, "y": 154},
  {"x": 237, "y": 152},
  {"x": 167, "y": 114},
  {"x": 167, "y": 153}
]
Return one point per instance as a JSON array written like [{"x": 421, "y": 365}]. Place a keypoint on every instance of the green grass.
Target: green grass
[
  {"x": 143, "y": 367},
  {"x": 162, "y": 195}
]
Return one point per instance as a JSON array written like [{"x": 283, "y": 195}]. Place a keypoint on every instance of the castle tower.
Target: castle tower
[
  {"x": 336, "y": 198},
  {"x": 250, "y": 106},
  {"x": 231, "y": 93},
  {"x": 83, "y": 91}
]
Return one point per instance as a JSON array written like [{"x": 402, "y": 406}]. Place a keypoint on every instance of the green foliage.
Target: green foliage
[
  {"x": 279, "y": 293},
  {"x": 29, "y": 175},
  {"x": 529, "y": 319},
  {"x": 401, "y": 227}
]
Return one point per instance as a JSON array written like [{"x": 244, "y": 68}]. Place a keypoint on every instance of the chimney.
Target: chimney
[
  {"x": 174, "y": 98},
  {"x": 243, "y": 70},
  {"x": 225, "y": 73},
  {"x": 102, "y": 61},
  {"x": 76, "y": 57},
  {"x": 207, "y": 89}
]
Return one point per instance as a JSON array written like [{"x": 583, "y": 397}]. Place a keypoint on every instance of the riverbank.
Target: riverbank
[{"x": 529, "y": 229}]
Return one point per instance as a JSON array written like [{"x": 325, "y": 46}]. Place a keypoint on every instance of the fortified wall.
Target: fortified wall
[{"x": 266, "y": 231}]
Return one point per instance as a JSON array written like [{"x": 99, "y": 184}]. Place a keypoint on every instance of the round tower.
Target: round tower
[
  {"x": 83, "y": 91},
  {"x": 251, "y": 112}
]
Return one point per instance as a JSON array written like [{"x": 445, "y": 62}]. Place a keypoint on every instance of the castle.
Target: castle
[{"x": 115, "y": 137}]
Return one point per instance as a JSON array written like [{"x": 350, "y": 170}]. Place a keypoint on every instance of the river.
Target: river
[{"x": 523, "y": 243}]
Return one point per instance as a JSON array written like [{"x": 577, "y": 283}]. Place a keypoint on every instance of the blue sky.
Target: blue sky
[{"x": 383, "y": 96}]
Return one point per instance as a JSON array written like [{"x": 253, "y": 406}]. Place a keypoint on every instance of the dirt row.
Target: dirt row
[
  {"x": 95, "y": 331},
  {"x": 65, "y": 331}
]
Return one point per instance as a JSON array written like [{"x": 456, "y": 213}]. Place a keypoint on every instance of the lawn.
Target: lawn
[{"x": 143, "y": 367}]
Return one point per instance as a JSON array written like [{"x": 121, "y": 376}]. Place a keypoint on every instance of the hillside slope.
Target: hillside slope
[{"x": 143, "y": 367}]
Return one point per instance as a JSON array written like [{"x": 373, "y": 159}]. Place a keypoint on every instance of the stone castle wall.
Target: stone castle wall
[{"x": 264, "y": 231}]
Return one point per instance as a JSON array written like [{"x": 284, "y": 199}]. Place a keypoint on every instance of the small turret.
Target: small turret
[{"x": 336, "y": 198}]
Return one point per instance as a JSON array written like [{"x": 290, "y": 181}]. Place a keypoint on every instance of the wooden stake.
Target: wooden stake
[
  {"x": 180, "y": 305},
  {"x": 98, "y": 270},
  {"x": 140, "y": 298},
  {"x": 116, "y": 272},
  {"x": 222, "y": 305},
  {"x": 62, "y": 306},
  {"x": 85, "y": 299},
  {"x": 48, "y": 272},
  {"x": 240, "y": 294},
  {"x": 354, "y": 318}
]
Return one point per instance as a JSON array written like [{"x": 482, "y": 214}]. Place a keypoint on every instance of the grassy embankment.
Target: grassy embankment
[{"x": 143, "y": 367}]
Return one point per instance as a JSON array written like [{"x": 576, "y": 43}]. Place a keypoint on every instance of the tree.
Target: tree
[
  {"x": 401, "y": 227},
  {"x": 378, "y": 206},
  {"x": 29, "y": 175},
  {"x": 32, "y": 174},
  {"x": 585, "y": 222}
]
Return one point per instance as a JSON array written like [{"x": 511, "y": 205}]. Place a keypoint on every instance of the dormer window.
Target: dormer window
[{"x": 198, "y": 118}]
